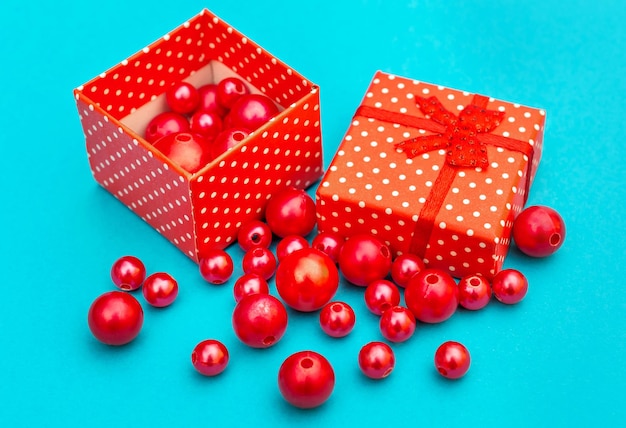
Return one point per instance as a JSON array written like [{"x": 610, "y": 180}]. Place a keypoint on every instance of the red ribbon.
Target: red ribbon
[{"x": 464, "y": 138}]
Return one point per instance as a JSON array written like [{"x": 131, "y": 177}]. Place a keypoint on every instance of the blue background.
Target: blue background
[{"x": 556, "y": 358}]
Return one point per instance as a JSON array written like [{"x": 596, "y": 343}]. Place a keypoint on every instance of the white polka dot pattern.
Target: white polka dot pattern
[
  {"x": 371, "y": 187},
  {"x": 204, "y": 210}
]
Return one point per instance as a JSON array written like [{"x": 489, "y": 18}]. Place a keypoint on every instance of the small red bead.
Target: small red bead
[
  {"x": 363, "y": 259},
  {"x": 290, "y": 244},
  {"x": 452, "y": 360},
  {"x": 182, "y": 98},
  {"x": 306, "y": 379},
  {"x": 290, "y": 211},
  {"x": 404, "y": 267},
  {"x": 539, "y": 231},
  {"x": 128, "y": 273},
  {"x": 165, "y": 124},
  {"x": 509, "y": 286},
  {"x": 226, "y": 140},
  {"x": 189, "y": 151},
  {"x": 397, "y": 324},
  {"x": 206, "y": 123},
  {"x": 251, "y": 111},
  {"x": 229, "y": 90},
  {"x": 474, "y": 292},
  {"x": 259, "y": 320},
  {"x": 216, "y": 266},
  {"x": 376, "y": 360},
  {"x": 432, "y": 295},
  {"x": 261, "y": 261},
  {"x": 329, "y": 243},
  {"x": 254, "y": 233},
  {"x": 250, "y": 283},
  {"x": 208, "y": 100},
  {"x": 160, "y": 289},
  {"x": 381, "y": 295},
  {"x": 210, "y": 357},
  {"x": 115, "y": 318},
  {"x": 337, "y": 319}
]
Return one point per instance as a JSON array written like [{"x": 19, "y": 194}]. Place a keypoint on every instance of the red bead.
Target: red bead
[
  {"x": 337, "y": 319},
  {"x": 160, "y": 289},
  {"x": 404, "y": 267},
  {"x": 208, "y": 100},
  {"x": 509, "y": 286},
  {"x": 229, "y": 90},
  {"x": 290, "y": 244},
  {"x": 189, "y": 151},
  {"x": 250, "y": 283},
  {"x": 115, "y": 318},
  {"x": 254, "y": 233},
  {"x": 452, "y": 360},
  {"x": 226, "y": 140},
  {"x": 165, "y": 124},
  {"x": 474, "y": 292},
  {"x": 210, "y": 357},
  {"x": 307, "y": 279},
  {"x": 397, "y": 324},
  {"x": 216, "y": 266},
  {"x": 539, "y": 231},
  {"x": 206, "y": 123},
  {"x": 251, "y": 111},
  {"x": 363, "y": 259},
  {"x": 259, "y": 320},
  {"x": 329, "y": 243},
  {"x": 290, "y": 211},
  {"x": 128, "y": 273},
  {"x": 381, "y": 295},
  {"x": 376, "y": 360},
  {"x": 432, "y": 295},
  {"x": 261, "y": 261},
  {"x": 182, "y": 98},
  {"x": 306, "y": 379}
]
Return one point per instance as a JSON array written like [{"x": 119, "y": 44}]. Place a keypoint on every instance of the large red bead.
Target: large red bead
[
  {"x": 306, "y": 379},
  {"x": 115, "y": 318},
  {"x": 189, "y": 151},
  {"x": 259, "y": 320},
  {"x": 226, "y": 140},
  {"x": 538, "y": 231},
  {"x": 363, "y": 259},
  {"x": 432, "y": 295},
  {"x": 251, "y": 111},
  {"x": 182, "y": 98},
  {"x": 229, "y": 90},
  {"x": 208, "y": 100},
  {"x": 165, "y": 124},
  {"x": 290, "y": 211},
  {"x": 206, "y": 123}
]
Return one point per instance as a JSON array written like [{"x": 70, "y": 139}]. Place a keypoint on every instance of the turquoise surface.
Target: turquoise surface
[{"x": 555, "y": 359}]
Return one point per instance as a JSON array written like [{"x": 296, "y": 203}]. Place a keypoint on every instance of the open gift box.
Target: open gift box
[
  {"x": 204, "y": 210},
  {"x": 433, "y": 171}
]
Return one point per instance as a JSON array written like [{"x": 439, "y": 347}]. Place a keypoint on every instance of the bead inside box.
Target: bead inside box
[{"x": 203, "y": 210}]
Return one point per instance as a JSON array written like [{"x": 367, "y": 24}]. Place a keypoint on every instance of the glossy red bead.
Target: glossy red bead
[
  {"x": 306, "y": 379},
  {"x": 452, "y": 360},
  {"x": 254, "y": 233},
  {"x": 290, "y": 211},
  {"x": 250, "y": 283},
  {"x": 376, "y": 360},
  {"x": 206, "y": 123},
  {"x": 115, "y": 318},
  {"x": 539, "y": 231},
  {"x": 251, "y": 111},
  {"x": 363, "y": 259},
  {"x": 128, "y": 273},
  {"x": 210, "y": 357},
  {"x": 307, "y": 280},
  {"x": 208, "y": 100},
  {"x": 381, "y": 295},
  {"x": 229, "y": 90},
  {"x": 432, "y": 295},
  {"x": 165, "y": 123},
  {"x": 160, "y": 289},
  {"x": 189, "y": 151},
  {"x": 397, "y": 324},
  {"x": 261, "y": 261},
  {"x": 329, "y": 243},
  {"x": 509, "y": 286},
  {"x": 182, "y": 98},
  {"x": 337, "y": 319},
  {"x": 290, "y": 244},
  {"x": 474, "y": 292},
  {"x": 404, "y": 267},
  {"x": 216, "y": 266},
  {"x": 259, "y": 320},
  {"x": 226, "y": 140}
]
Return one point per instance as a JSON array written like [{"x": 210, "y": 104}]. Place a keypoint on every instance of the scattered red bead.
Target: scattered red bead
[
  {"x": 452, "y": 360},
  {"x": 509, "y": 286},
  {"x": 404, "y": 267},
  {"x": 363, "y": 259},
  {"x": 290, "y": 244},
  {"x": 306, "y": 379},
  {"x": 259, "y": 320},
  {"x": 397, "y": 324},
  {"x": 160, "y": 289},
  {"x": 329, "y": 243},
  {"x": 376, "y": 360},
  {"x": 254, "y": 233},
  {"x": 250, "y": 283},
  {"x": 539, "y": 231},
  {"x": 290, "y": 211},
  {"x": 128, "y": 273},
  {"x": 216, "y": 266},
  {"x": 381, "y": 295},
  {"x": 474, "y": 292},
  {"x": 432, "y": 295},
  {"x": 261, "y": 261},
  {"x": 337, "y": 319},
  {"x": 115, "y": 318},
  {"x": 210, "y": 357}
]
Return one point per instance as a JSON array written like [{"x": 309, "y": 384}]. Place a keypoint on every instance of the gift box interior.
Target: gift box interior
[{"x": 204, "y": 210}]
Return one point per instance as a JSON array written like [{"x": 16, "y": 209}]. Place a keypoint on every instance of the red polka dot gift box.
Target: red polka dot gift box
[
  {"x": 433, "y": 171},
  {"x": 201, "y": 210}
]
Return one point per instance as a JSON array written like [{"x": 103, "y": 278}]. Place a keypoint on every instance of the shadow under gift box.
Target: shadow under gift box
[
  {"x": 417, "y": 197},
  {"x": 205, "y": 210}
]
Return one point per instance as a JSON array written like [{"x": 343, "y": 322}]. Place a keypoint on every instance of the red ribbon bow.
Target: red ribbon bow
[{"x": 464, "y": 138}]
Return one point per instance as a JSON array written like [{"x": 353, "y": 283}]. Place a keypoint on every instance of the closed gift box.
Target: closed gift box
[
  {"x": 433, "y": 171},
  {"x": 204, "y": 210}
]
